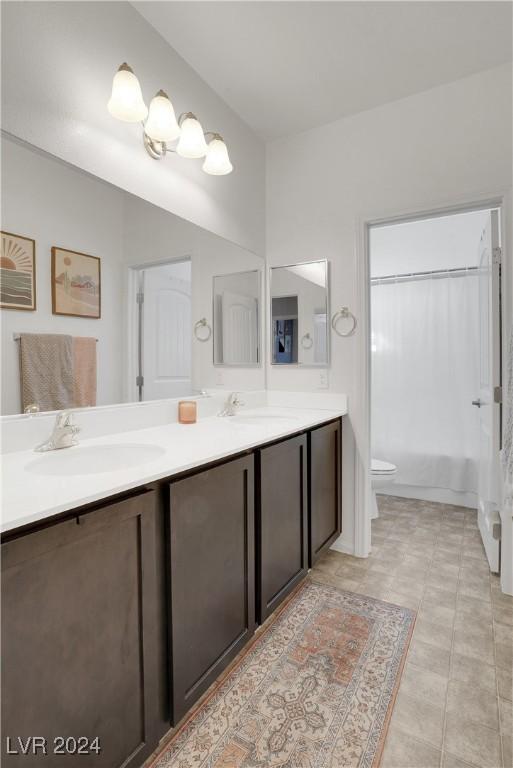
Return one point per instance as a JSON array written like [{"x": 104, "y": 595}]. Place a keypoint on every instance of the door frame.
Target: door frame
[
  {"x": 132, "y": 343},
  {"x": 503, "y": 201}
]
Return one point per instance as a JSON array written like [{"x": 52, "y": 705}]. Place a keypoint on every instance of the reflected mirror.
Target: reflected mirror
[
  {"x": 101, "y": 293},
  {"x": 236, "y": 314},
  {"x": 299, "y": 313}
]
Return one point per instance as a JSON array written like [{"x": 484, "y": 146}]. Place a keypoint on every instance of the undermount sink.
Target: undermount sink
[{"x": 93, "y": 459}]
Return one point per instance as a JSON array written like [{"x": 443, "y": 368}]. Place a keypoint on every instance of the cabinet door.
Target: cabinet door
[
  {"x": 325, "y": 487},
  {"x": 212, "y": 611},
  {"x": 78, "y": 602},
  {"x": 282, "y": 522}
]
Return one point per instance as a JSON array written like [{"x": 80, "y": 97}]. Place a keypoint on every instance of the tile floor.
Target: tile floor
[{"x": 454, "y": 707}]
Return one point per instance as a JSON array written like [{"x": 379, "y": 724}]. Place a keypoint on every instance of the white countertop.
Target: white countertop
[{"x": 28, "y": 497}]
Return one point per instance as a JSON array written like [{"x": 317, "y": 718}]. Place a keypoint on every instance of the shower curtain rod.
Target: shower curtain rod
[{"x": 405, "y": 277}]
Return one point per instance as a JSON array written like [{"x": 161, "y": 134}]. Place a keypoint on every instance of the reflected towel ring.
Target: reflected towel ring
[
  {"x": 307, "y": 341},
  {"x": 343, "y": 313},
  {"x": 200, "y": 335}
]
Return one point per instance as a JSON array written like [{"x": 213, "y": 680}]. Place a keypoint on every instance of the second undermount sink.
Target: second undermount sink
[{"x": 94, "y": 459}]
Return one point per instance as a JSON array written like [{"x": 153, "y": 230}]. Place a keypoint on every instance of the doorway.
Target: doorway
[
  {"x": 435, "y": 365},
  {"x": 163, "y": 337}
]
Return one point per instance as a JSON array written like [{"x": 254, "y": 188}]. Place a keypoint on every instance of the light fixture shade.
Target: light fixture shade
[
  {"x": 192, "y": 141},
  {"x": 161, "y": 124},
  {"x": 217, "y": 162},
  {"x": 126, "y": 102}
]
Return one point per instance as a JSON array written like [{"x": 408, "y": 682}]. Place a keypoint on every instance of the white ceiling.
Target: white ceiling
[{"x": 285, "y": 67}]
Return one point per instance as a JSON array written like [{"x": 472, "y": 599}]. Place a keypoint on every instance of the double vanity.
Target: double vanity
[{"x": 137, "y": 564}]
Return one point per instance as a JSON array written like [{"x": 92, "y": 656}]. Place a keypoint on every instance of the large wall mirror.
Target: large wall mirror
[
  {"x": 237, "y": 318},
  {"x": 299, "y": 314},
  {"x": 101, "y": 292}
]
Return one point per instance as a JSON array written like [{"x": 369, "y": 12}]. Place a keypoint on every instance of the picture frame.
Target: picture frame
[
  {"x": 76, "y": 283},
  {"x": 17, "y": 272}
]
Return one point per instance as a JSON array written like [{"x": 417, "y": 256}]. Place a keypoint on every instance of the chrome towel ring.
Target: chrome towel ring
[
  {"x": 343, "y": 314},
  {"x": 307, "y": 341},
  {"x": 206, "y": 333}
]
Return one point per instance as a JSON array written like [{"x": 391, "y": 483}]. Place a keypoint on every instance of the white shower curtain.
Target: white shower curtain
[{"x": 425, "y": 374}]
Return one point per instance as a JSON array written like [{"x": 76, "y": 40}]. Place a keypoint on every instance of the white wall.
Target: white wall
[
  {"x": 444, "y": 146},
  {"x": 58, "y": 61},
  {"x": 55, "y": 204},
  {"x": 445, "y": 242}
]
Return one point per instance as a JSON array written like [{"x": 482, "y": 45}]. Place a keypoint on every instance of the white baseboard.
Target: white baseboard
[
  {"x": 440, "y": 495},
  {"x": 340, "y": 545}
]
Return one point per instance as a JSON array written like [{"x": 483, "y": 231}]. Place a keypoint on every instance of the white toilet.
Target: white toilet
[{"x": 382, "y": 475}]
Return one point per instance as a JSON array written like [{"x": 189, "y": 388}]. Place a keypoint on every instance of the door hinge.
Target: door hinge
[
  {"x": 497, "y": 394},
  {"x": 496, "y": 531},
  {"x": 139, "y": 381},
  {"x": 497, "y": 255},
  {"x": 139, "y": 298}
]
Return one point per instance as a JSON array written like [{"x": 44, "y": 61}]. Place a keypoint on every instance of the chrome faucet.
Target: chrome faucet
[
  {"x": 231, "y": 405},
  {"x": 64, "y": 433}
]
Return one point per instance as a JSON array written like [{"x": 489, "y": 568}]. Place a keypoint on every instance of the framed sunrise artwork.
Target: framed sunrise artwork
[
  {"x": 17, "y": 272},
  {"x": 76, "y": 284}
]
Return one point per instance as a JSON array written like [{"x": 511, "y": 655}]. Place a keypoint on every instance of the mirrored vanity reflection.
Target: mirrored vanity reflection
[
  {"x": 237, "y": 318},
  {"x": 106, "y": 298},
  {"x": 299, "y": 314}
]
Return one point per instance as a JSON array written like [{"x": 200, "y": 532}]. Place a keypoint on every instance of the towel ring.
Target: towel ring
[
  {"x": 340, "y": 315},
  {"x": 307, "y": 341},
  {"x": 200, "y": 335}
]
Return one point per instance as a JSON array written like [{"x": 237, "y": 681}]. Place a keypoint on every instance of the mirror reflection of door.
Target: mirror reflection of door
[
  {"x": 236, "y": 318},
  {"x": 299, "y": 312},
  {"x": 165, "y": 332}
]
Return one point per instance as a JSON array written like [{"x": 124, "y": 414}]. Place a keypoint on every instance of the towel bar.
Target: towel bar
[{"x": 17, "y": 336}]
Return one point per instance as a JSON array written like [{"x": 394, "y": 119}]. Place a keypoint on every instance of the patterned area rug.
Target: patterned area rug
[{"x": 314, "y": 690}]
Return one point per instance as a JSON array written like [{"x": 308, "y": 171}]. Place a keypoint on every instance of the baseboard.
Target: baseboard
[
  {"x": 440, "y": 495},
  {"x": 346, "y": 547}
]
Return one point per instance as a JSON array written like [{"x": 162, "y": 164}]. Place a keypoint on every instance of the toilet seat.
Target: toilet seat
[{"x": 382, "y": 467}]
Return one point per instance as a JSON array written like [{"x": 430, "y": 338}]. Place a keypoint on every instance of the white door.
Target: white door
[
  {"x": 166, "y": 331},
  {"x": 240, "y": 329},
  {"x": 489, "y": 410}
]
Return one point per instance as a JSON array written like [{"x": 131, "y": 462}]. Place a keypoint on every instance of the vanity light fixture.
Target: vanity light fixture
[{"x": 160, "y": 125}]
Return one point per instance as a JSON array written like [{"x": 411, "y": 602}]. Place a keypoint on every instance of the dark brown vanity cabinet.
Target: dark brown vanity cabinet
[
  {"x": 282, "y": 521},
  {"x": 211, "y": 570},
  {"x": 325, "y": 487},
  {"x": 78, "y": 638}
]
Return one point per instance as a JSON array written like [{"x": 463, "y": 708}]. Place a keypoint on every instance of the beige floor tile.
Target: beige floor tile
[
  {"x": 419, "y": 719},
  {"x": 506, "y": 713},
  {"x": 445, "y": 569},
  {"x": 503, "y": 633},
  {"x": 440, "y": 581},
  {"x": 436, "y": 614},
  {"x": 465, "y": 622},
  {"x": 335, "y": 581},
  {"x": 473, "y": 644},
  {"x": 440, "y": 597},
  {"x": 469, "y": 670},
  {"x": 478, "y": 591},
  {"x": 406, "y": 586},
  {"x": 403, "y": 751},
  {"x": 474, "y": 705},
  {"x": 501, "y": 600},
  {"x": 378, "y": 591},
  {"x": 502, "y": 615},
  {"x": 505, "y": 683},
  {"x": 430, "y": 657},
  {"x": 399, "y": 598},
  {"x": 479, "y": 609},
  {"x": 504, "y": 655},
  {"x": 436, "y": 634},
  {"x": 472, "y": 742},
  {"x": 419, "y": 683},
  {"x": 449, "y": 761}
]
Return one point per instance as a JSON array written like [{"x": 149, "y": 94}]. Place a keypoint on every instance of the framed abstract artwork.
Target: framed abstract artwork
[
  {"x": 17, "y": 272},
  {"x": 76, "y": 284}
]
